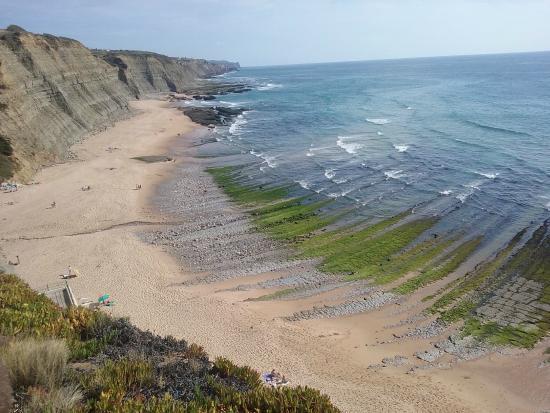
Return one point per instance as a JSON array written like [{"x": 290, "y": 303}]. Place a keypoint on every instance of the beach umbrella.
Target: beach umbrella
[{"x": 103, "y": 298}]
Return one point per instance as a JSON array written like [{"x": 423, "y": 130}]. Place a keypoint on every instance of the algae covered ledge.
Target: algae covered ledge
[{"x": 504, "y": 300}]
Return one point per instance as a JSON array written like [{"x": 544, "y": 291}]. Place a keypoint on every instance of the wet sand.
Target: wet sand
[{"x": 178, "y": 258}]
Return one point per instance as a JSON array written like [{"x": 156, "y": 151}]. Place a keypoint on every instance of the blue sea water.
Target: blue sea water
[{"x": 467, "y": 138}]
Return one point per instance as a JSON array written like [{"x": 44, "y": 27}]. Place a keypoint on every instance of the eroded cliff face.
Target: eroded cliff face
[
  {"x": 54, "y": 90},
  {"x": 146, "y": 72}
]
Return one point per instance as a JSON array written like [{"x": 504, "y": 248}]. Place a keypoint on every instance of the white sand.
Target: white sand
[{"x": 96, "y": 232}]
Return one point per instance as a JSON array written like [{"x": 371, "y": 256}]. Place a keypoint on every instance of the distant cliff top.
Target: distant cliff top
[{"x": 140, "y": 53}]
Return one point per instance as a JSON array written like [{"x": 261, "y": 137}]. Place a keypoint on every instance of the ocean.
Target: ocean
[{"x": 465, "y": 138}]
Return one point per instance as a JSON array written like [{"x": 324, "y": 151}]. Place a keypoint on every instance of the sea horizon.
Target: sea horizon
[{"x": 443, "y": 56}]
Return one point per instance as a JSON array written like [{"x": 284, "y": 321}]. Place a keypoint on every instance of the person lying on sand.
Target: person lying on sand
[{"x": 275, "y": 379}]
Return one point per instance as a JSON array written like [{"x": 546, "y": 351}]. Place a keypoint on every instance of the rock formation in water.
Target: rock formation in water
[{"x": 54, "y": 90}]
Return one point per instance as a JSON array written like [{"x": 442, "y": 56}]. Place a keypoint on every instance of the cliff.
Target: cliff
[
  {"x": 54, "y": 90},
  {"x": 145, "y": 72}
]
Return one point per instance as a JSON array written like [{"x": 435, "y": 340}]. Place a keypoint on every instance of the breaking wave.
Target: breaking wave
[
  {"x": 349, "y": 147},
  {"x": 380, "y": 121},
  {"x": 401, "y": 148}
]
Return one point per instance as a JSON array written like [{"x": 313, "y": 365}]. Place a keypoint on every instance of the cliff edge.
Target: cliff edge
[
  {"x": 146, "y": 72},
  {"x": 54, "y": 90}
]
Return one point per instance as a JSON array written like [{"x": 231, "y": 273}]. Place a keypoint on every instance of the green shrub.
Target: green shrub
[
  {"x": 194, "y": 351},
  {"x": 226, "y": 369},
  {"x": 119, "y": 378},
  {"x": 270, "y": 400},
  {"x": 32, "y": 362}
]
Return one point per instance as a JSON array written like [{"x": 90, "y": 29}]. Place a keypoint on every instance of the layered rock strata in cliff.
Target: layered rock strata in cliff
[
  {"x": 52, "y": 91},
  {"x": 146, "y": 72}
]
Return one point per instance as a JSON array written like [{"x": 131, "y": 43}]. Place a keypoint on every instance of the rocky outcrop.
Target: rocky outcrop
[
  {"x": 54, "y": 90},
  {"x": 146, "y": 72}
]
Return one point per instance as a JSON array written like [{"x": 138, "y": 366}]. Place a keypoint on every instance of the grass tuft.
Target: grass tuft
[{"x": 32, "y": 362}]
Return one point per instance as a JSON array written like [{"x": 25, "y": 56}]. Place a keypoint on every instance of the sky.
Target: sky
[{"x": 278, "y": 32}]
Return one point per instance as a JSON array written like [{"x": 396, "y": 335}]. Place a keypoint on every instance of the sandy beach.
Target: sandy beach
[{"x": 166, "y": 267}]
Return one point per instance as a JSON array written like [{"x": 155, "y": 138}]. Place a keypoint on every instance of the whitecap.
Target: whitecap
[
  {"x": 379, "y": 133},
  {"x": 401, "y": 148},
  {"x": 474, "y": 185},
  {"x": 311, "y": 151},
  {"x": 304, "y": 184},
  {"x": 340, "y": 181},
  {"x": 344, "y": 193},
  {"x": 394, "y": 174},
  {"x": 490, "y": 175},
  {"x": 270, "y": 161},
  {"x": 269, "y": 86},
  {"x": 409, "y": 108},
  {"x": 334, "y": 195},
  {"x": 236, "y": 127},
  {"x": 446, "y": 192},
  {"x": 463, "y": 197},
  {"x": 380, "y": 121},
  {"x": 350, "y": 148},
  {"x": 329, "y": 173}
]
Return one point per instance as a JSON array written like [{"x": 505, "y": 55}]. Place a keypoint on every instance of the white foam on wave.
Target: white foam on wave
[
  {"x": 330, "y": 173},
  {"x": 378, "y": 121},
  {"x": 546, "y": 198},
  {"x": 409, "y": 108},
  {"x": 340, "y": 181},
  {"x": 394, "y": 174},
  {"x": 334, "y": 195},
  {"x": 379, "y": 133},
  {"x": 349, "y": 147},
  {"x": 230, "y": 104},
  {"x": 269, "y": 160},
  {"x": 236, "y": 127},
  {"x": 346, "y": 192},
  {"x": 269, "y": 86},
  {"x": 311, "y": 151},
  {"x": 490, "y": 175},
  {"x": 446, "y": 192},
  {"x": 463, "y": 197},
  {"x": 401, "y": 148},
  {"x": 304, "y": 184},
  {"x": 474, "y": 185}
]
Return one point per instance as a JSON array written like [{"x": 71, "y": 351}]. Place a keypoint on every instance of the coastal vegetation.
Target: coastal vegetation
[
  {"x": 446, "y": 266},
  {"x": 78, "y": 360}
]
